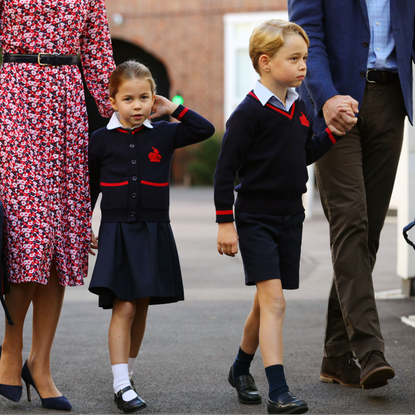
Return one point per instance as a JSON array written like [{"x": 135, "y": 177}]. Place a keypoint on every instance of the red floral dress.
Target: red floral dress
[{"x": 44, "y": 134}]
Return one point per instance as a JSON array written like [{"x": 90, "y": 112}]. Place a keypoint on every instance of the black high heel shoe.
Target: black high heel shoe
[
  {"x": 60, "y": 402},
  {"x": 14, "y": 393}
]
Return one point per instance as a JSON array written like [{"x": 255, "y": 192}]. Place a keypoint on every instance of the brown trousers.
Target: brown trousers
[{"x": 355, "y": 180}]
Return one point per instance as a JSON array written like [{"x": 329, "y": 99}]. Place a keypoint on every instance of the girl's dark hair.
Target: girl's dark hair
[{"x": 130, "y": 70}]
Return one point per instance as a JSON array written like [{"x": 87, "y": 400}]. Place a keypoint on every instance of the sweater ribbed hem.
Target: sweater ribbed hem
[
  {"x": 141, "y": 215},
  {"x": 269, "y": 204}
]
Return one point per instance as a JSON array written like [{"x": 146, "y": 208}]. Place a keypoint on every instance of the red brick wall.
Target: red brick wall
[{"x": 187, "y": 36}]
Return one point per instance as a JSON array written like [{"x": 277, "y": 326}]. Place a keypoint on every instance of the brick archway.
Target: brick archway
[{"x": 124, "y": 51}]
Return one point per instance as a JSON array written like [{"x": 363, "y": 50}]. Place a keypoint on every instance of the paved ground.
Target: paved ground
[{"x": 189, "y": 346}]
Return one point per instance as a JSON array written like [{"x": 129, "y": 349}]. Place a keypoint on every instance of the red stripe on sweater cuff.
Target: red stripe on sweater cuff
[
  {"x": 224, "y": 212},
  {"x": 180, "y": 116},
  {"x": 331, "y": 135}
]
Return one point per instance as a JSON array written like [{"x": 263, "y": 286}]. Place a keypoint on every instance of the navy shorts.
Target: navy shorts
[{"x": 270, "y": 247}]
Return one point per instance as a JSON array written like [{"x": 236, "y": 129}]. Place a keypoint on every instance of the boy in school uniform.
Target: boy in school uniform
[{"x": 268, "y": 143}]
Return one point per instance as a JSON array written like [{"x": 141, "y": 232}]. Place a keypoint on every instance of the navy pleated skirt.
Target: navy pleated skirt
[{"x": 137, "y": 260}]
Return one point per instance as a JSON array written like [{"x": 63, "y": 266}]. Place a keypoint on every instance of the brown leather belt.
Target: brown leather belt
[{"x": 42, "y": 59}]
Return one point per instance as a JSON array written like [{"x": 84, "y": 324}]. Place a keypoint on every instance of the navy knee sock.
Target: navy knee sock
[
  {"x": 242, "y": 363},
  {"x": 276, "y": 381}
]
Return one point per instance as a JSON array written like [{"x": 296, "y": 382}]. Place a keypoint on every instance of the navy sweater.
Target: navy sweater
[
  {"x": 132, "y": 167},
  {"x": 269, "y": 149}
]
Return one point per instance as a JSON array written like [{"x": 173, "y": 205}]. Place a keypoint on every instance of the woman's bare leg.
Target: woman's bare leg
[
  {"x": 18, "y": 300},
  {"x": 47, "y": 306}
]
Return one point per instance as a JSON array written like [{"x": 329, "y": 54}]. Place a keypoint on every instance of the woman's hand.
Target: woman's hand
[{"x": 93, "y": 243}]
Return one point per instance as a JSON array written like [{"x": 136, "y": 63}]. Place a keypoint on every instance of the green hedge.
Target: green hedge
[{"x": 204, "y": 157}]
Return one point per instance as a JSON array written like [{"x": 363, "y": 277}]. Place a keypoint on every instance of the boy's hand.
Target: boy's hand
[
  {"x": 93, "y": 244},
  {"x": 345, "y": 107},
  {"x": 227, "y": 241},
  {"x": 162, "y": 106},
  {"x": 338, "y": 120}
]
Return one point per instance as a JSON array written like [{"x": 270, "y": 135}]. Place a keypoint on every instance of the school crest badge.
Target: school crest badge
[
  {"x": 155, "y": 156},
  {"x": 304, "y": 120}
]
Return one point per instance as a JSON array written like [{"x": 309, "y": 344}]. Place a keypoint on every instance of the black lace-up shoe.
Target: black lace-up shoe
[{"x": 246, "y": 388}]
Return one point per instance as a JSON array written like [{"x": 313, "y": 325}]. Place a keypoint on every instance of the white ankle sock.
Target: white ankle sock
[
  {"x": 121, "y": 381},
  {"x": 131, "y": 361}
]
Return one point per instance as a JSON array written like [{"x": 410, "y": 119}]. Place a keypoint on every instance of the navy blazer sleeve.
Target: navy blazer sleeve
[
  {"x": 309, "y": 15},
  {"x": 339, "y": 46}
]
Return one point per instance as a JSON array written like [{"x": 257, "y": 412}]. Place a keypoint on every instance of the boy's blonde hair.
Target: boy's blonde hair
[
  {"x": 130, "y": 70},
  {"x": 270, "y": 36}
]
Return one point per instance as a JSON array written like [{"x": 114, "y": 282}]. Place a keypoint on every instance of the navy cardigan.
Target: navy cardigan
[
  {"x": 269, "y": 149},
  {"x": 132, "y": 167}
]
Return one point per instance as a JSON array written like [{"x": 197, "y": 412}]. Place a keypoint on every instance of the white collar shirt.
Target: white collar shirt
[
  {"x": 265, "y": 95},
  {"x": 115, "y": 123}
]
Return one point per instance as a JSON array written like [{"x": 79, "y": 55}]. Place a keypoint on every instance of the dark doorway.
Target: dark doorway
[{"x": 124, "y": 51}]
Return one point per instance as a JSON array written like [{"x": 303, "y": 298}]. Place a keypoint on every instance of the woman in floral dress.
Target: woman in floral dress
[{"x": 43, "y": 169}]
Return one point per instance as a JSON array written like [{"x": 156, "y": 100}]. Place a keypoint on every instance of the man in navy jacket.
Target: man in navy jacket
[{"x": 362, "y": 52}]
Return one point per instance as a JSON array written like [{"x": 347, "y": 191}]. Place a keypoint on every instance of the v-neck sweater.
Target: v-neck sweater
[{"x": 269, "y": 150}]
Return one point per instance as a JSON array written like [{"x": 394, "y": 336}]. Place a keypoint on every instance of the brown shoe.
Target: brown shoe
[
  {"x": 341, "y": 369},
  {"x": 375, "y": 370}
]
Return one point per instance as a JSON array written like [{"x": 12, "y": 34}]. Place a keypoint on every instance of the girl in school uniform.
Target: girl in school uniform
[{"x": 137, "y": 262}]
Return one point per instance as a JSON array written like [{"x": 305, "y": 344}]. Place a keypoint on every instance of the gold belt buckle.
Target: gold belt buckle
[{"x": 39, "y": 57}]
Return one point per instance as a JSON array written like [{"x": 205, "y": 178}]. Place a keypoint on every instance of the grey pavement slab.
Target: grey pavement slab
[{"x": 189, "y": 346}]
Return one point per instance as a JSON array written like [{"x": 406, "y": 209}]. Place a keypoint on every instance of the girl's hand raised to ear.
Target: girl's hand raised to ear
[{"x": 162, "y": 106}]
